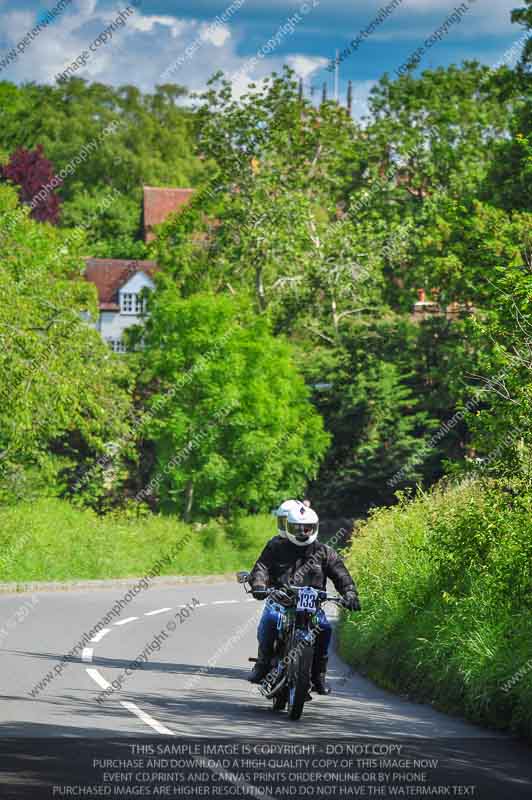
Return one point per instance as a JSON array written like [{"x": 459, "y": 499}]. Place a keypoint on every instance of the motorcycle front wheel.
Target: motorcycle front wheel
[
  {"x": 299, "y": 682},
  {"x": 280, "y": 700}
]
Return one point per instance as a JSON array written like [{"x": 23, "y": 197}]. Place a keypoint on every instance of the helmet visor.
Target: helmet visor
[
  {"x": 282, "y": 522},
  {"x": 302, "y": 531}
]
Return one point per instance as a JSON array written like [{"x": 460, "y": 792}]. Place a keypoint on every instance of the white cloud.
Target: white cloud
[
  {"x": 240, "y": 83},
  {"x": 146, "y": 24},
  {"x": 16, "y": 24},
  {"x": 147, "y": 45},
  {"x": 139, "y": 52},
  {"x": 216, "y": 34},
  {"x": 306, "y": 65}
]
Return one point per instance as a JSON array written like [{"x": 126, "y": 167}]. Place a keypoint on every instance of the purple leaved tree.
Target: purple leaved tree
[{"x": 34, "y": 174}]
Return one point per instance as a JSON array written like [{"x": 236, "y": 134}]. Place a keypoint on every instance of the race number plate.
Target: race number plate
[{"x": 306, "y": 600}]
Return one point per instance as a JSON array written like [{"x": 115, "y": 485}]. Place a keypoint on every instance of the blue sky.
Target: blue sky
[{"x": 157, "y": 34}]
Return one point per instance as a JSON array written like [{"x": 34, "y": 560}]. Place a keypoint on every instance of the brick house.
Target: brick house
[{"x": 122, "y": 283}]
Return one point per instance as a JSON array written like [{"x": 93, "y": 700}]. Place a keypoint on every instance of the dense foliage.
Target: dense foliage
[
  {"x": 312, "y": 236},
  {"x": 446, "y": 585},
  {"x": 103, "y": 139},
  {"x": 61, "y": 395},
  {"x": 239, "y": 431},
  {"x": 330, "y": 228}
]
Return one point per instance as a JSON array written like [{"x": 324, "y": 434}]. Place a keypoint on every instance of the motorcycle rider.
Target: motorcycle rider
[
  {"x": 298, "y": 558},
  {"x": 281, "y": 513}
]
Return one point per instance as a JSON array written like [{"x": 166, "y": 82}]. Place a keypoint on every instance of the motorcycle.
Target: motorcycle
[{"x": 287, "y": 683}]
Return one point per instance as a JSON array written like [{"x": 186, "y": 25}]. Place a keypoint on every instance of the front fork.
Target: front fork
[
  {"x": 303, "y": 636},
  {"x": 299, "y": 630}
]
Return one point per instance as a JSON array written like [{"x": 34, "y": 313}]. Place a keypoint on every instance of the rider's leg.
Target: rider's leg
[
  {"x": 321, "y": 652},
  {"x": 266, "y": 634}
]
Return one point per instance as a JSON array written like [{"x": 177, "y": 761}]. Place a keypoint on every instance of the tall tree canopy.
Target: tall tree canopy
[
  {"x": 61, "y": 390},
  {"x": 523, "y": 16},
  {"x": 310, "y": 236},
  {"x": 231, "y": 420},
  {"x": 106, "y": 139}
]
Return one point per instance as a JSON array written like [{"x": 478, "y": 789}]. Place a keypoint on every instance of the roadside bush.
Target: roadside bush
[{"x": 446, "y": 585}]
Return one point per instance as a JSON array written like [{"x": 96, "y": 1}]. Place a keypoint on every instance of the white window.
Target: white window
[
  {"x": 131, "y": 303},
  {"x": 117, "y": 345},
  {"x": 127, "y": 303}
]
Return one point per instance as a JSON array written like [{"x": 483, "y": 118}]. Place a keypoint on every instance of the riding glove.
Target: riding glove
[{"x": 351, "y": 601}]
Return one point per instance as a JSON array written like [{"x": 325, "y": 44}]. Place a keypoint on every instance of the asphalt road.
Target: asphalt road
[{"x": 195, "y": 684}]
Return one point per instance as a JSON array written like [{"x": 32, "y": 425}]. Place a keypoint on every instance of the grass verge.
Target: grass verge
[{"x": 51, "y": 540}]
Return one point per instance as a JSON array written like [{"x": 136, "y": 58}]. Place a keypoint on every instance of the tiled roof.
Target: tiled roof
[
  {"x": 109, "y": 274},
  {"x": 159, "y": 203}
]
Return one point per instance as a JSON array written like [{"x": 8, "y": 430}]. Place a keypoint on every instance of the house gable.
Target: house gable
[
  {"x": 110, "y": 275},
  {"x": 130, "y": 297},
  {"x": 137, "y": 282}
]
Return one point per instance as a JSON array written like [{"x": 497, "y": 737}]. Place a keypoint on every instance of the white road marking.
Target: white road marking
[
  {"x": 157, "y": 611},
  {"x": 99, "y": 636},
  {"x": 162, "y": 729},
  {"x": 157, "y": 726},
  {"x": 223, "y": 602},
  {"x": 99, "y": 679},
  {"x": 88, "y": 652}
]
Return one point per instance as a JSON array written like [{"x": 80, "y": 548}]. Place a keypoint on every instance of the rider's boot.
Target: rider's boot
[
  {"x": 319, "y": 671},
  {"x": 262, "y": 666}
]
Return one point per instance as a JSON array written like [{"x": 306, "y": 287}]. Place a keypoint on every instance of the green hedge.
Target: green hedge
[
  {"x": 51, "y": 540},
  {"x": 446, "y": 585}
]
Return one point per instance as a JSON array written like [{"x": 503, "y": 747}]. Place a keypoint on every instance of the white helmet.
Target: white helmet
[
  {"x": 302, "y": 525},
  {"x": 281, "y": 513}
]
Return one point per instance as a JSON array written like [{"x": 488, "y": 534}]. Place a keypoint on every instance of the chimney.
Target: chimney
[
  {"x": 324, "y": 93},
  {"x": 300, "y": 89},
  {"x": 350, "y": 98}
]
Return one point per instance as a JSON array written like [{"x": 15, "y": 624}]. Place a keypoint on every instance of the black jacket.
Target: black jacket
[{"x": 282, "y": 562}]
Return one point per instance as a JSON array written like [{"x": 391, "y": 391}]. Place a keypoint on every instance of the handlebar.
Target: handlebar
[{"x": 323, "y": 596}]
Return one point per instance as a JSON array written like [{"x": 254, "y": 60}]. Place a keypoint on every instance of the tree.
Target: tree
[
  {"x": 374, "y": 405},
  {"x": 523, "y": 16},
  {"x": 460, "y": 247},
  {"x": 437, "y": 131},
  {"x": 34, "y": 174},
  {"x": 111, "y": 220},
  {"x": 230, "y": 419},
  {"x": 431, "y": 140},
  {"x": 312, "y": 148},
  {"x": 509, "y": 182},
  {"x": 62, "y": 392},
  {"x": 502, "y": 430},
  {"x": 151, "y": 142},
  {"x": 280, "y": 167}
]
